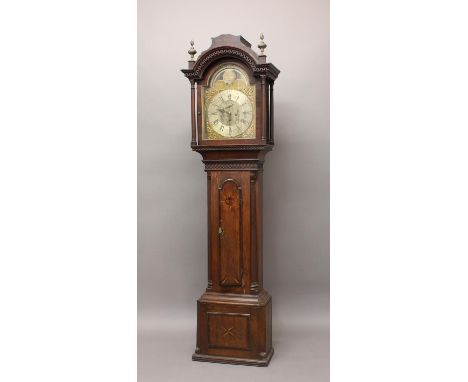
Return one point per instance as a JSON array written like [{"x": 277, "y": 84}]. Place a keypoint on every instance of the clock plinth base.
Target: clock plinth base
[
  {"x": 234, "y": 361},
  {"x": 234, "y": 328}
]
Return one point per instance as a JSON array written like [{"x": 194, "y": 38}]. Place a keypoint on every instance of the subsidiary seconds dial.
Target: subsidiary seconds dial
[{"x": 230, "y": 113}]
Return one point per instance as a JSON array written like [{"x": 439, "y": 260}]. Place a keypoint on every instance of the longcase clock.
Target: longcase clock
[{"x": 232, "y": 128}]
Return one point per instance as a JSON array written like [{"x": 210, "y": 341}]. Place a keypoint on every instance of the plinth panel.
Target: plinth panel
[{"x": 228, "y": 330}]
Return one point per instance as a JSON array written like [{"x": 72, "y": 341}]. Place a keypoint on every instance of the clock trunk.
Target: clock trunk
[{"x": 234, "y": 314}]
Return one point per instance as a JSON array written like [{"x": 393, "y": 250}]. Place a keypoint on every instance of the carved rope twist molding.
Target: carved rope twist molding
[
  {"x": 224, "y": 51},
  {"x": 233, "y": 165}
]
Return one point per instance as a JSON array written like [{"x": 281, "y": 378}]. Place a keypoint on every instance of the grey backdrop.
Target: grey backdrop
[{"x": 172, "y": 188}]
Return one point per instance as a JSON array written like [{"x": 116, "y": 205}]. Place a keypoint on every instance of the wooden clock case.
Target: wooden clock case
[{"x": 234, "y": 313}]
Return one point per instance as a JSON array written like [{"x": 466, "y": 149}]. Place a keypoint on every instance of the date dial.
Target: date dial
[{"x": 230, "y": 113}]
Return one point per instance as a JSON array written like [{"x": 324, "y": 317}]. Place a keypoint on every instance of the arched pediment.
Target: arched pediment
[{"x": 230, "y": 46}]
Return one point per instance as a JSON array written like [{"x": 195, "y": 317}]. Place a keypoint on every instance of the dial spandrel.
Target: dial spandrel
[{"x": 229, "y": 105}]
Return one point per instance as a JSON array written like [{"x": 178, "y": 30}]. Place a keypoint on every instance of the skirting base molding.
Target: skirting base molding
[{"x": 232, "y": 360}]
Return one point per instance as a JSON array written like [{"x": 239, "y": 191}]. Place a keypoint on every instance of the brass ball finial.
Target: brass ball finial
[
  {"x": 262, "y": 45},
  {"x": 192, "y": 51}
]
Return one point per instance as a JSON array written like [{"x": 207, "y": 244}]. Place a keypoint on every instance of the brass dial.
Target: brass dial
[
  {"x": 230, "y": 113},
  {"x": 229, "y": 105}
]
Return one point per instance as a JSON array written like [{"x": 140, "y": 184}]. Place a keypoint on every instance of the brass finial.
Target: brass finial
[
  {"x": 262, "y": 45},
  {"x": 192, "y": 51}
]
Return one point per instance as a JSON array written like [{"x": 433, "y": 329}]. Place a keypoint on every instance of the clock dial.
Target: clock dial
[
  {"x": 229, "y": 105},
  {"x": 230, "y": 113}
]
